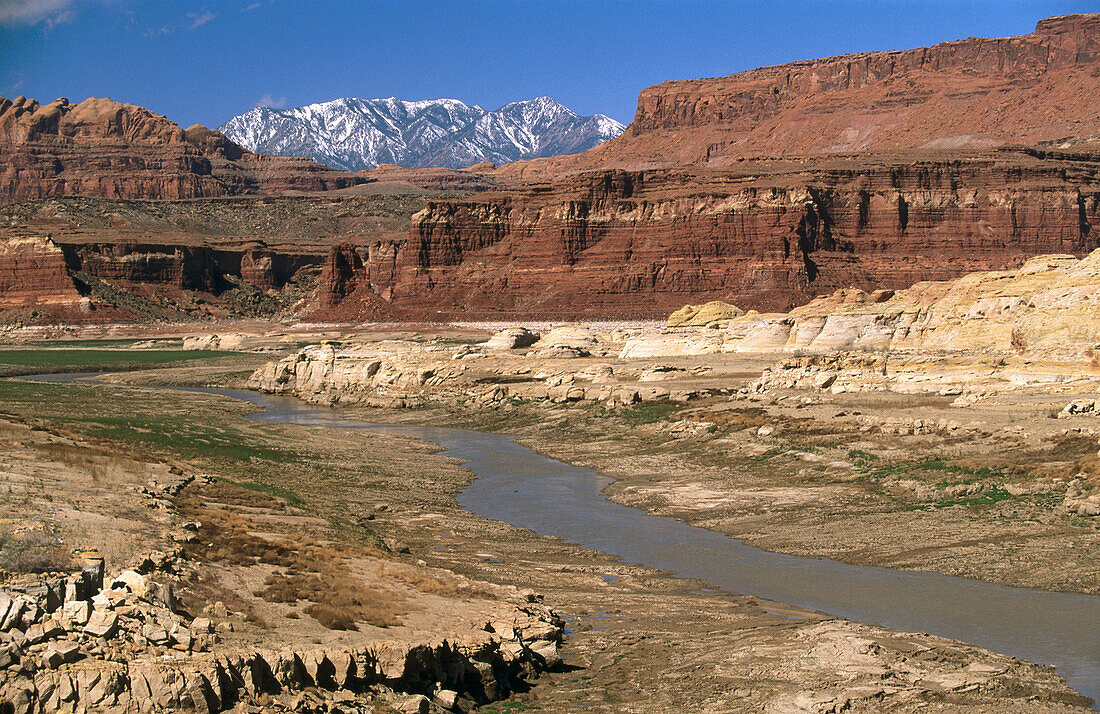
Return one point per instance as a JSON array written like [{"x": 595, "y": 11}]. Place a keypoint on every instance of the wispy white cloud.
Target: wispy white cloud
[
  {"x": 250, "y": 8},
  {"x": 30, "y": 12},
  {"x": 60, "y": 18},
  {"x": 199, "y": 19},
  {"x": 270, "y": 102}
]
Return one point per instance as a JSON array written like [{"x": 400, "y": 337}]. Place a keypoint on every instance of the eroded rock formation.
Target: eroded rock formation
[
  {"x": 100, "y": 147},
  {"x": 974, "y": 92},
  {"x": 769, "y": 235},
  {"x": 33, "y": 270},
  {"x": 1035, "y": 326},
  {"x": 972, "y": 155}
]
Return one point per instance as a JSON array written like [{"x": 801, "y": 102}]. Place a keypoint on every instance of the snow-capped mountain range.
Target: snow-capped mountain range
[{"x": 354, "y": 134}]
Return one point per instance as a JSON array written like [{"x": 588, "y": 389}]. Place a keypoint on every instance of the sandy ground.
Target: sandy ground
[{"x": 637, "y": 639}]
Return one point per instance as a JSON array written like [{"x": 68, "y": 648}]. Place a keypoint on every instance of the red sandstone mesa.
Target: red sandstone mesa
[
  {"x": 893, "y": 186},
  {"x": 771, "y": 236},
  {"x": 973, "y": 93},
  {"x": 100, "y": 147},
  {"x": 885, "y": 168}
]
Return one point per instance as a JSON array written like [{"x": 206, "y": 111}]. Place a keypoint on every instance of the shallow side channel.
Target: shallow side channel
[{"x": 518, "y": 486}]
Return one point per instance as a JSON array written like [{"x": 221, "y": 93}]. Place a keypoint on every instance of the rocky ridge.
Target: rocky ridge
[
  {"x": 1034, "y": 326},
  {"x": 974, "y": 92},
  {"x": 100, "y": 147},
  {"x": 561, "y": 365},
  {"x": 120, "y": 640},
  {"x": 980, "y": 335}
]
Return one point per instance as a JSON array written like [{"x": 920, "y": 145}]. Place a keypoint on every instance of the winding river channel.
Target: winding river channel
[{"x": 518, "y": 486}]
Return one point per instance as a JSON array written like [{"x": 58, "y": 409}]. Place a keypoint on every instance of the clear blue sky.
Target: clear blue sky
[{"x": 203, "y": 62}]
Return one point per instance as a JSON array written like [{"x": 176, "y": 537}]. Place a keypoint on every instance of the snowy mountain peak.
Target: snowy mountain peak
[{"x": 354, "y": 134}]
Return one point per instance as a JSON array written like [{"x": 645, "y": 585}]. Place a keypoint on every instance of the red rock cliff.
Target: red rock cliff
[
  {"x": 975, "y": 92},
  {"x": 768, "y": 236},
  {"x": 100, "y": 147}
]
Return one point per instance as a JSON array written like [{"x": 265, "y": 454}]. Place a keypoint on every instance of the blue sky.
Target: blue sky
[{"x": 203, "y": 62}]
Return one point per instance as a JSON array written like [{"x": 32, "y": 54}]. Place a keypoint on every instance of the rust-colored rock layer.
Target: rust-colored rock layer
[
  {"x": 100, "y": 147},
  {"x": 1033, "y": 89},
  {"x": 763, "y": 189},
  {"x": 767, "y": 236}
]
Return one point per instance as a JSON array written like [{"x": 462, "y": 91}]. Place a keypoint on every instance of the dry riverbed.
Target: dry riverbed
[{"x": 377, "y": 513}]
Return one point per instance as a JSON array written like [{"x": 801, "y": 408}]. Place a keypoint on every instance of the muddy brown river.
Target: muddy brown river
[{"x": 520, "y": 487}]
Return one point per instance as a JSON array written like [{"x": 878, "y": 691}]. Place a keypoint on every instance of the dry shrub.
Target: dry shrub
[
  {"x": 32, "y": 551},
  {"x": 1018, "y": 340},
  {"x": 1087, "y": 468},
  {"x": 427, "y": 582},
  {"x": 338, "y": 600},
  {"x": 735, "y": 419},
  {"x": 755, "y": 417},
  {"x": 203, "y": 588},
  {"x": 331, "y": 617},
  {"x": 313, "y": 573},
  {"x": 1063, "y": 456},
  {"x": 233, "y": 495}
]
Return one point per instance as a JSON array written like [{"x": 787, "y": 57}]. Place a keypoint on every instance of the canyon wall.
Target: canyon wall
[
  {"x": 765, "y": 189},
  {"x": 971, "y": 93},
  {"x": 769, "y": 236},
  {"x": 769, "y": 187},
  {"x": 33, "y": 271},
  {"x": 100, "y": 147}
]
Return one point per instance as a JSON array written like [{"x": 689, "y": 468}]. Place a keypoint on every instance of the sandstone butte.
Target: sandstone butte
[{"x": 764, "y": 189}]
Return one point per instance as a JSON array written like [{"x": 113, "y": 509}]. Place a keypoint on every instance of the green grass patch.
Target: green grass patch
[
  {"x": 269, "y": 489},
  {"x": 649, "y": 413},
  {"x": 861, "y": 457},
  {"x": 183, "y": 435},
  {"x": 993, "y": 495},
  {"x": 153, "y": 422},
  {"x": 15, "y": 362},
  {"x": 770, "y": 453},
  {"x": 925, "y": 469}
]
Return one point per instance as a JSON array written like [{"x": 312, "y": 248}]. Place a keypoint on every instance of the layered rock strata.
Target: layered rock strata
[
  {"x": 702, "y": 213},
  {"x": 568, "y": 364},
  {"x": 33, "y": 270},
  {"x": 100, "y": 147},
  {"x": 767, "y": 236},
  {"x": 1033, "y": 326},
  {"x": 975, "y": 92}
]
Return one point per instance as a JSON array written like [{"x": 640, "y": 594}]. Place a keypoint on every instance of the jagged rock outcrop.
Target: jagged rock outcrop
[
  {"x": 100, "y": 147},
  {"x": 70, "y": 645},
  {"x": 562, "y": 365},
  {"x": 99, "y": 640}
]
